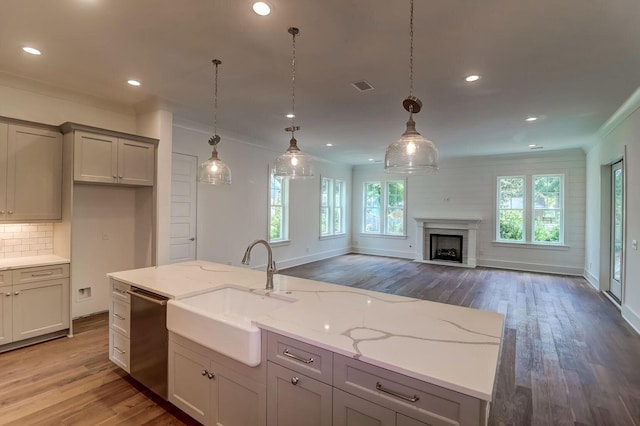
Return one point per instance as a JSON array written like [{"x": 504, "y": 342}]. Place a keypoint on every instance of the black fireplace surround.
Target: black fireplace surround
[{"x": 446, "y": 247}]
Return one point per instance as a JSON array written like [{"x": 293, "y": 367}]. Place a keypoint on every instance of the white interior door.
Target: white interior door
[
  {"x": 617, "y": 229},
  {"x": 184, "y": 170}
]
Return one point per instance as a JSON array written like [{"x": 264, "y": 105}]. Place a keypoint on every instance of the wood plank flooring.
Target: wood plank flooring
[{"x": 567, "y": 358}]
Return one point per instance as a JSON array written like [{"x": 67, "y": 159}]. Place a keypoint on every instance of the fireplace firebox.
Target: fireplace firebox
[{"x": 446, "y": 247}]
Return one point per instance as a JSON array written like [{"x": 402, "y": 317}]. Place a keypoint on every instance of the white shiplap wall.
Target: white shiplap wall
[{"x": 467, "y": 187}]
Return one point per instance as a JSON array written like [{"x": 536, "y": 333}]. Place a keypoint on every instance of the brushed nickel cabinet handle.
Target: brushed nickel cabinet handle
[
  {"x": 296, "y": 357},
  {"x": 10, "y": 212},
  {"x": 192, "y": 239},
  {"x": 211, "y": 376},
  {"x": 41, "y": 274},
  {"x": 413, "y": 398},
  {"x": 120, "y": 351},
  {"x": 16, "y": 293},
  {"x": 295, "y": 381},
  {"x": 120, "y": 317},
  {"x": 8, "y": 294},
  {"x": 2, "y": 212},
  {"x": 204, "y": 372}
]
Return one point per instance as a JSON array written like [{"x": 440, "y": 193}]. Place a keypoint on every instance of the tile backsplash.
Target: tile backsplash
[{"x": 20, "y": 240}]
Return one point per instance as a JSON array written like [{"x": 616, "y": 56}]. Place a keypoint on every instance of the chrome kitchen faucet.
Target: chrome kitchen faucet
[{"x": 271, "y": 264}]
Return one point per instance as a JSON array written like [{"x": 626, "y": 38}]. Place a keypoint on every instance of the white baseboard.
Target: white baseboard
[
  {"x": 631, "y": 317},
  {"x": 591, "y": 279},
  {"x": 388, "y": 253},
  {"x": 530, "y": 267},
  {"x": 290, "y": 263}
]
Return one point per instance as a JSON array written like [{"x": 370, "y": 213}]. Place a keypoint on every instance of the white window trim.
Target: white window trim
[
  {"x": 285, "y": 212},
  {"x": 529, "y": 231},
  {"x": 331, "y": 209},
  {"x": 561, "y": 209},
  {"x": 524, "y": 210},
  {"x": 384, "y": 203}
]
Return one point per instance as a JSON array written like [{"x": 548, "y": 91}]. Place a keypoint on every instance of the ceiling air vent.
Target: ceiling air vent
[{"x": 362, "y": 85}]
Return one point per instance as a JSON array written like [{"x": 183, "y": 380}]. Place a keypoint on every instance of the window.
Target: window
[
  {"x": 511, "y": 208},
  {"x": 545, "y": 215},
  {"x": 278, "y": 209},
  {"x": 389, "y": 195},
  {"x": 547, "y": 209},
  {"x": 332, "y": 207}
]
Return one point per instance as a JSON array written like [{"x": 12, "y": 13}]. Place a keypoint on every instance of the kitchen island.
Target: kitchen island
[{"x": 413, "y": 358}]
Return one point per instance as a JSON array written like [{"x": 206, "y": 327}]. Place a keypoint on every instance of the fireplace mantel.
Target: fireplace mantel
[{"x": 466, "y": 226}]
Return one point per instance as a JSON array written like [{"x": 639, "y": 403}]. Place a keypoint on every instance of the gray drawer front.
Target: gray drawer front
[
  {"x": 433, "y": 405},
  {"x": 40, "y": 273},
  {"x": 310, "y": 360}
]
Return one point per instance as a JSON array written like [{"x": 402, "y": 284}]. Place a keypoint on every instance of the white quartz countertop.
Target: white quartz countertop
[
  {"x": 25, "y": 262},
  {"x": 449, "y": 346}
]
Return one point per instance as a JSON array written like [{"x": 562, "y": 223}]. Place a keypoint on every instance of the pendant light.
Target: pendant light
[
  {"x": 214, "y": 171},
  {"x": 293, "y": 164},
  {"x": 412, "y": 153}
]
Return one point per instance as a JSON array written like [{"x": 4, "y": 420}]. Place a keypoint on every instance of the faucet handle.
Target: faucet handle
[{"x": 273, "y": 267}]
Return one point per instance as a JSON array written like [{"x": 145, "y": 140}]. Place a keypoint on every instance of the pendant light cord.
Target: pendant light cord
[
  {"x": 293, "y": 31},
  {"x": 215, "y": 98},
  {"x": 411, "y": 51}
]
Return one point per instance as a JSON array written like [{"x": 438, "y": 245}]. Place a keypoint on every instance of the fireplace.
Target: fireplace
[
  {"x": 446, "y": 247},
  {"x": 463, "y": 227}
]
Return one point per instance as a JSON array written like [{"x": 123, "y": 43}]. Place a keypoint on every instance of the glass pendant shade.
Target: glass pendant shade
[
  {"x": 214, "y": 172},
  {"x": 293, "y": 163},
  {"x": 412, "y": 153}
]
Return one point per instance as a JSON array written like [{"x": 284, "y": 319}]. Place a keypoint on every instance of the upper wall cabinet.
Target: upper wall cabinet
[
  {"x": 30, "y": 174},
  {"x": 103, "y": 158}
]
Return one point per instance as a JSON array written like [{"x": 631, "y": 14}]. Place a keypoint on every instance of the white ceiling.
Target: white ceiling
[{"x": 574, "y": 62}]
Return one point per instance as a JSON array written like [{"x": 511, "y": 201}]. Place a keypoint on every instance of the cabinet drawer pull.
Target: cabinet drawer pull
[
  {"x": 10, "y": 212},
  {"x": 16, "y": 293},
  {"x": 120, "y": 291},
  {"x": 295, "y": 381},
  {"x": 1, "y": 211},
  {"x": 413, "y": 398},
  {"x": 8, "y": 294},
  {"x": 211, "y": 375},
  {"x": 296, "y": 357},
  {"x": 41, "y": 274},
  {"x": 120, "y": 317},
  {"x": 120, "y": 351}
]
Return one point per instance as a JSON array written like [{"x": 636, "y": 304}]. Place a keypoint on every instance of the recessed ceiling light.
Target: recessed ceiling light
[
  {"x": 530, "y": 119},
  {"x": 370, "y": 159},
  {"x": 261, "y": 8},
  {"x": 472, "y": 78},
  {"x": 329, "y": 144},
  {"x": 133, "y": 82},
  {"x": 31, "y": 50},
  {"x": 290, "y": 116},
  {"x": 533, "y": 145}
]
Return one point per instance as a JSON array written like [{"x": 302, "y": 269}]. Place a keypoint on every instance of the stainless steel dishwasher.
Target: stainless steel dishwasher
[{"x": 149, "y": 340}]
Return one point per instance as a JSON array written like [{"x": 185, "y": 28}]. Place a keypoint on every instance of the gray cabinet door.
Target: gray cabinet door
[
  {"x": 408, "y": 421},
  {"x": 237, "y": 400},
  {"x": 295, "y": 399},
  {"x": 34, "y": 174},
  {"x": 40, "y": 308},
  {"x": 95, "y": 158},
  {"x": 349, "y": 410},
  {"x": 6, "y": 317},
  {"x": 189, "y": 383},
  {"x": 135, "y": 163}
]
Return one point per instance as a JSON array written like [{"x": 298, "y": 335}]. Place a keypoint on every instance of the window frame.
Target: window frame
[
  {"x": 331, "y": 207},
  {"x": 561, "y": 197},
  {"x": 284, "y": 225},
  {"x": 384, "y": 208},
  {"x": 529, "y": 211},
  {"x": 523, "y": 209}
]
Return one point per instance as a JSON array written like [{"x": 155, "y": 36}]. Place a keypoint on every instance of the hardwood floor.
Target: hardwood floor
[{"x": 567, "y": 357}]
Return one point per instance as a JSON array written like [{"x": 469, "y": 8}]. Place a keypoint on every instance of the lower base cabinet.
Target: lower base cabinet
[
  {"x": 211, "y": 392},
  {"x": 349, "y": 410},
  {"x": 295, "y": 399}
]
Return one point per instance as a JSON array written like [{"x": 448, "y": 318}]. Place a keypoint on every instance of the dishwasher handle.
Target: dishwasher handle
[{"x": 161, "y": 302}]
